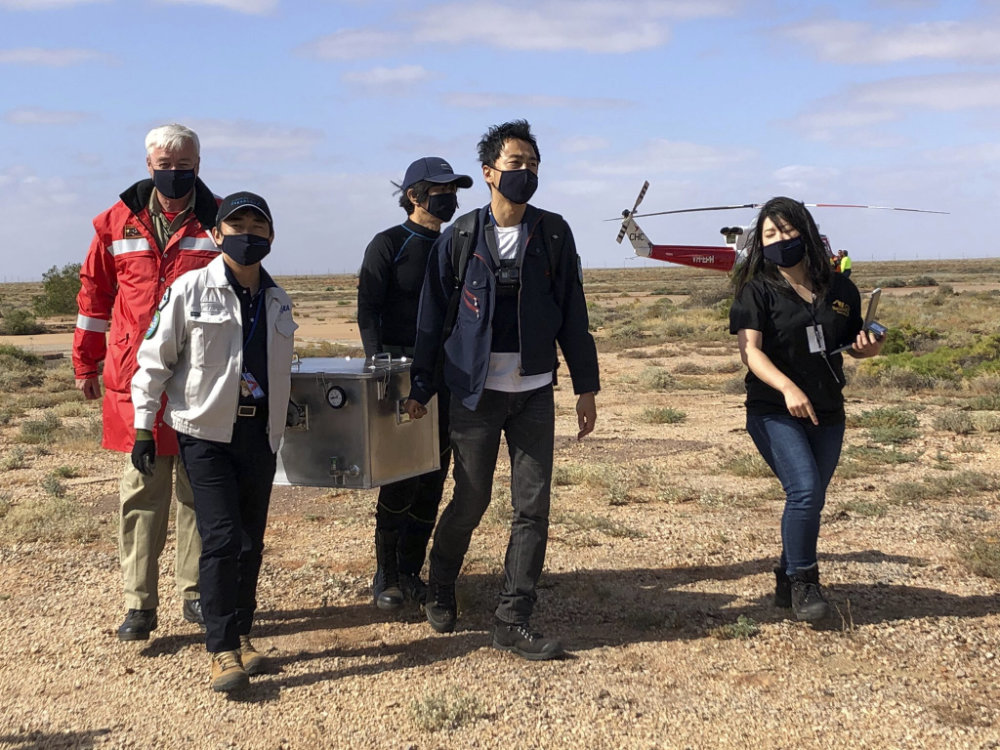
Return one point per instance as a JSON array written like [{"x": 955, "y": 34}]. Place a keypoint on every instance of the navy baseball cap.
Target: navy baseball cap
[
  {"x": 233, "y": 203},
  {"x": 434, "y": 169}
]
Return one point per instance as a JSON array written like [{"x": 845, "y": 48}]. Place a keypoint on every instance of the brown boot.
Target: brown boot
[
  {"x": 227, "y": 672},
  {"x": 253, "y": 660}
]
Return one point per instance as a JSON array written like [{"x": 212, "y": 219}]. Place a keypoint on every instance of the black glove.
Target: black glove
[{"x": 144, "y": 452}]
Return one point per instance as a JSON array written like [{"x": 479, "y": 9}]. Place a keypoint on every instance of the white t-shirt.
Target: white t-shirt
[{"x": 504, "y": 373}]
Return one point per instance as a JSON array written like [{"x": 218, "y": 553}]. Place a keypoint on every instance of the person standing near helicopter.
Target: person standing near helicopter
[{"x": 789, "y": 313}]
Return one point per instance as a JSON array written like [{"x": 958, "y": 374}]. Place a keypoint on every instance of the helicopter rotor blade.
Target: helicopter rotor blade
[
  {"x": 875, "y": 208},
  {"x": 758, "y": 205},
  {"x": 627, "y": 214}
]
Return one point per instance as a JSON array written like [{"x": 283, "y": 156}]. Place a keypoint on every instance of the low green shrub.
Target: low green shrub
[{"x": 663, "y": 415}]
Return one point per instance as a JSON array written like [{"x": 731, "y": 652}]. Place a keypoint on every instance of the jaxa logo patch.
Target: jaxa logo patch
[
  {"x": 842, "y": 308},
  {"x": 132, "y": 232},
  {"x": 284, "y": 308},
  {"x": 164, "y": 300},
  {"x": 153, "y": 325}
]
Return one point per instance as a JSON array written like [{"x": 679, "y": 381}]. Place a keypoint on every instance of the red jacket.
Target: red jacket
[{"x": 123, "y": 279}]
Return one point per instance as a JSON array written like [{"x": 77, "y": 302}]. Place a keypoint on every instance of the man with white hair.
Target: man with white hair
[{"x": 158, "y": 230}]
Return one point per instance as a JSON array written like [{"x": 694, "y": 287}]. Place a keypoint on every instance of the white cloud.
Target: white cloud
[
  {"x": 799, "y": 177},
  {"x": 55, "y": 58},
  {"x": 668, "y": 157},
  {"x": 552, "y": 26},
  {"x": 354, "y": 44},
  {"x": 585, "y": 188},
  {"x": 945, "y": 93},
  {"x": 547, "y": 25},
  {"x": 253, "y": 7},
  {"x": 972, "y": 155},
  {"x": 582, "y": 143},
  {"x": 405, "y": 75},
  {"x": 44, "y": 4},
  {"x": 857, "y": 43},
  {"x": 473, "y": 100},
  {"x": 246, "y": 140},
  {"x": 858, "y": 111},
  {"x": 36, "y": 116}
]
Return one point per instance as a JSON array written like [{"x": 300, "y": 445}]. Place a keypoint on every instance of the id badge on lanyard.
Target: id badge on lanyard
[
  {"x": 249, "y": 386},
  {"x": 814, "y": 335}
]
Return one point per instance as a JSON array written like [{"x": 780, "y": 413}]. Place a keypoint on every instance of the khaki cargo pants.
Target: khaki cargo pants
[{"x": 142, "y": 534}]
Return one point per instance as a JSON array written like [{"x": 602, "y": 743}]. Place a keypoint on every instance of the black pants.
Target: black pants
[
  {"x": 410, "y": 507},
  {"x": 231, "y": 483},
  {"x": 527, "y": 420}
]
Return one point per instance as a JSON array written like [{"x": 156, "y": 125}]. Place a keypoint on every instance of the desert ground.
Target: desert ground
[{"x": 658, "y": 577}]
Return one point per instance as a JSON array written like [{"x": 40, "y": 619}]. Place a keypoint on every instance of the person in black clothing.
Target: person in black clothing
[
  {"x": 790, "y": 313},
  {"x": 388, "y": 297},
  {"x": 518, "y": 299}
]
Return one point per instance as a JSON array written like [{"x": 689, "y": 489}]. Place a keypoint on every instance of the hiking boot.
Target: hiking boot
[
  {"x": 385, "y": 596},
  {"x": 807, "y": 599},
  {"x": 139, "y": 623},
  {"x": 191, "y": 612},
  {"x": 782, "y": 589},
  {"x": 227, "y": 672},
  {"x": 385, "y": 584},
  {"x": 253, "y": 660},
  {"x": 525, "y": 642},
  {"x": 414, "y": 589},
  {"x": 442, "y": 611}
]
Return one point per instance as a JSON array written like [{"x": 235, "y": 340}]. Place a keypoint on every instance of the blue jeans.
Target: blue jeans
[
  {"x": 528, "y": 422},
  {"x": 803, "y": 456}
]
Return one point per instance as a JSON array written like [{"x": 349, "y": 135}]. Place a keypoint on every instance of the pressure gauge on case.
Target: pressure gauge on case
[{"x": 336, "y": 397}]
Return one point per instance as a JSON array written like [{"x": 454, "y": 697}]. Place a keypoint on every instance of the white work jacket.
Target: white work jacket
[{"x": 193, "y": 351}]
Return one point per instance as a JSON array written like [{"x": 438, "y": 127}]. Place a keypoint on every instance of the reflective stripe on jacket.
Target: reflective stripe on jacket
[
  {"x": 194, "y": 353},
  {"x": 122, "y": 280}
]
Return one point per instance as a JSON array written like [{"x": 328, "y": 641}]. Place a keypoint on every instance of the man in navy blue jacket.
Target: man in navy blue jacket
[{"x": 521, "y": 293}]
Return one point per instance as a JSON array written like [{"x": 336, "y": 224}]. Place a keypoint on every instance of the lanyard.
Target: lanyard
[
  {"x": 823, "y": 353},
  {"x": 256, "y": 317}
]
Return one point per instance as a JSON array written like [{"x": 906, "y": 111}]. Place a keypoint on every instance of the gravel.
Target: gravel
[{"x": 637, "y": 585}]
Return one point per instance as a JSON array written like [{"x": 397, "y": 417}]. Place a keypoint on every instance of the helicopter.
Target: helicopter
[{"x": 714, "y": 257}]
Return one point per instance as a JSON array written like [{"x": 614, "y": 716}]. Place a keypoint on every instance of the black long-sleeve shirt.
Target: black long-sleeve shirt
[{"x": 389, "y": 284}]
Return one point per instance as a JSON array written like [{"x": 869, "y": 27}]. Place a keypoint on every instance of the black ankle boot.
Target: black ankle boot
[
  {"x": 807, "y": 598},
  {"x": 385, "y": 585},
  {"x": 782, "y": 589}
]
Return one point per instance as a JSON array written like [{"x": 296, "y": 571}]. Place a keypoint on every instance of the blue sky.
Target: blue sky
[{"x": 318, "y": 105}]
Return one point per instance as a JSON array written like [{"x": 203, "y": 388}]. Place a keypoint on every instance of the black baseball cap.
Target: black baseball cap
[
  {"x": 434, "y": 169},
  {"x": 233, "y": 203}
]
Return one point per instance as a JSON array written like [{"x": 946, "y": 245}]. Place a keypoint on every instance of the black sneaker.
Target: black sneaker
[
  {"x": 139, "y": 623},
  {"x": 414, "y": 589},
  {"x": 442, "y": 611},
  {"x": 525, "y": 642},
  {"x": 782, "y": 589},
  {"x": 808, "y": 602}
]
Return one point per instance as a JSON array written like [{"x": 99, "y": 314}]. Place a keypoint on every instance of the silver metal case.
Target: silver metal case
[{"x": 347, "y": 428}]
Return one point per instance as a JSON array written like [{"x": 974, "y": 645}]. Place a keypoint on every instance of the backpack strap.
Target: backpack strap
[
  {"x": 553, "y": 237},
  {"x": 463, "y": 240}
]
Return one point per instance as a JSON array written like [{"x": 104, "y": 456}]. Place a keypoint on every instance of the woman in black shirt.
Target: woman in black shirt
[{"x": 790, "y": 312}]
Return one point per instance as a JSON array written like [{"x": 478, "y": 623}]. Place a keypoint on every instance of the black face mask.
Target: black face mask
[
  {"x": 246, "y": 249},
  {"x": 517, "y": 185},
  {"x": 785, "y": 253},
  {"x": 174, "y": 183},
  {"x": 442, "y": 206}
]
